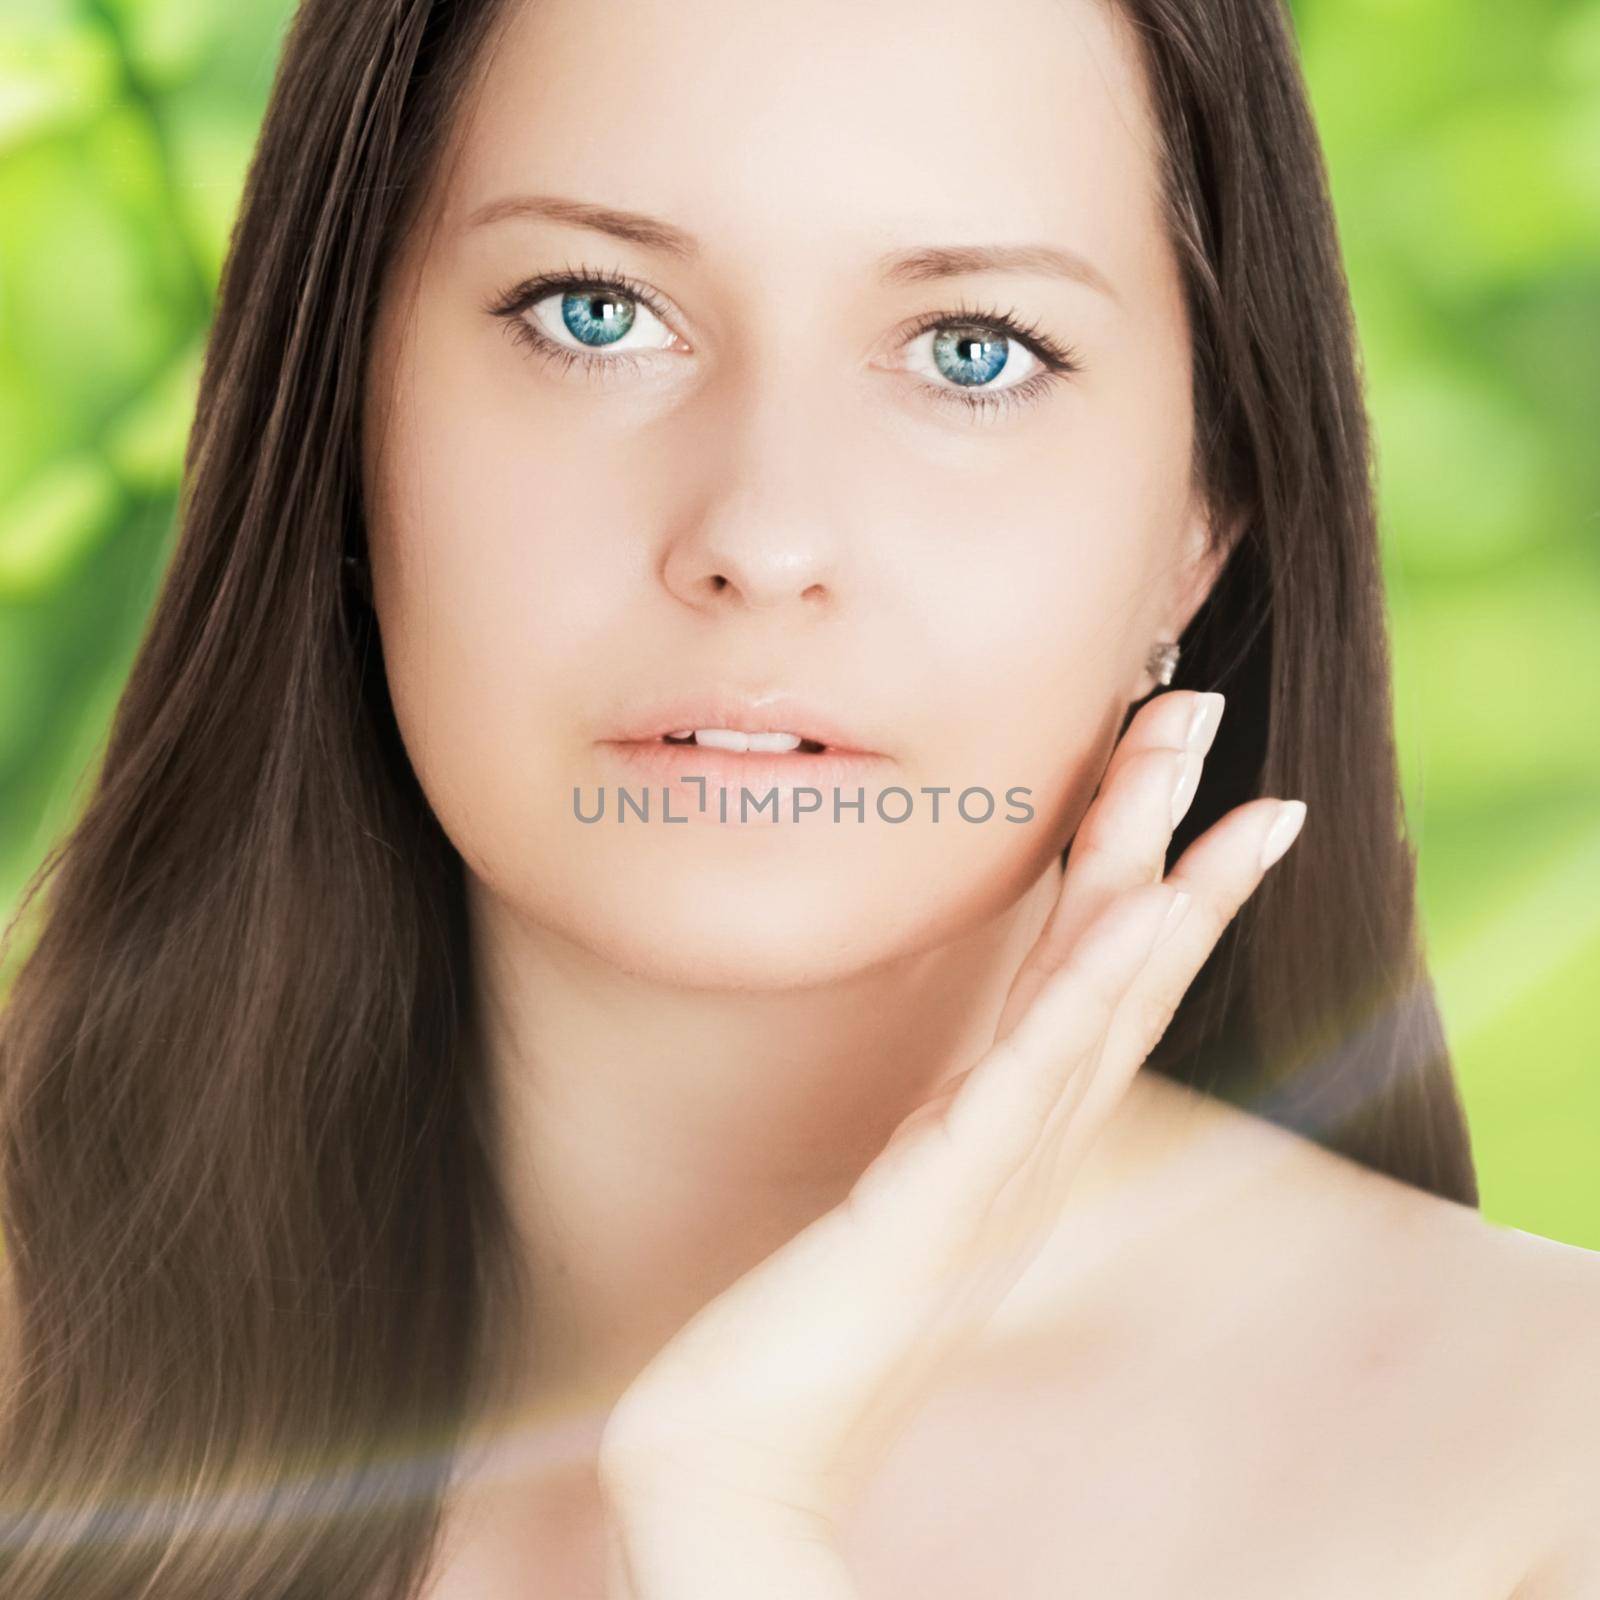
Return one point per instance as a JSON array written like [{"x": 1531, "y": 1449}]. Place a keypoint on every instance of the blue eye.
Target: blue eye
[
  {"x": 986, "y": 361},
  {"x": 971, "y": 355},
  {"x": 597, "y": 319},
  {"x": 596, "y": 312},
  {"x": 970, "y": 349}
]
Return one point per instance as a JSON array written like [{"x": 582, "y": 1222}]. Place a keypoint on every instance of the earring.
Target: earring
[
  {"x": 357, "y": 574},
  {"x": 1162, "y": 662}
]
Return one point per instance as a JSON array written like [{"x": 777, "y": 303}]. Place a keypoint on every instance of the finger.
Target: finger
[
  {"x": 1219, "y": 871},
  {"x": 1123, "y": 838},
  {"x": 942, "y": 1179}
]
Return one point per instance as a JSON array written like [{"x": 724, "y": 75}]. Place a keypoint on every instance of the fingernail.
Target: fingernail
[
  {"x": 1183, "y": 789},
  {"x": 1180, "y": 904},
  {"x": 1283, "y": 832},
  {"x": 1203, "y": 723}
]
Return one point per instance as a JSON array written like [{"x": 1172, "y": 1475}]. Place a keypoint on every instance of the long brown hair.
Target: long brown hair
[{"x": 256, "y": 1250}]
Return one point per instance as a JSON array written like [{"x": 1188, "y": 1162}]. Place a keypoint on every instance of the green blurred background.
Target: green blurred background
[{"x": 1463, "y": 140}]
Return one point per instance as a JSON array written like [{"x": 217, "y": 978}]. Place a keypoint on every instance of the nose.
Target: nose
[{"x": 762, "y": 533}]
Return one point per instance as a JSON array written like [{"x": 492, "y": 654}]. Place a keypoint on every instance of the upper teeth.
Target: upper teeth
[{"x": 733, "y": 739}]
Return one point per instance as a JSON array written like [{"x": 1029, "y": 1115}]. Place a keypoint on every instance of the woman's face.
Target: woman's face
[{"x": 791, "y": 464}]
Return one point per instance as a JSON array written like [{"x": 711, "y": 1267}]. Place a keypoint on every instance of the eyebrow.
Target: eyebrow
[{"x": 920, "y": 265}]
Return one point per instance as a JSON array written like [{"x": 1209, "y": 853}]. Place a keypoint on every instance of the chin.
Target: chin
[
  {"x": 703, "y": 909},
  {"x": 787, "y": 908},
  {"x": 722, "y": 931}
]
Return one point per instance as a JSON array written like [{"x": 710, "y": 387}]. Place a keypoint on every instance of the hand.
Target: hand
[{"x": 729, "y": 1457}]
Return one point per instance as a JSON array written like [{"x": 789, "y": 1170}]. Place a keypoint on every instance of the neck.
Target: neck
[{"x": 657, "y": 1142}]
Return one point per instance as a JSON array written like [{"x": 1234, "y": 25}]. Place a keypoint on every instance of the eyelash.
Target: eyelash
[{"x": 1056, "y": 361}]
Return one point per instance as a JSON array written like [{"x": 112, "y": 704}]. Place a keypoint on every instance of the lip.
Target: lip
[
  {"x": 733, "y": 786},
  {"x": 773, "y": 712}
]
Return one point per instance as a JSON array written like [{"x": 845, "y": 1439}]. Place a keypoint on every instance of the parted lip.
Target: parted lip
[{"x": 772, "y": 712}]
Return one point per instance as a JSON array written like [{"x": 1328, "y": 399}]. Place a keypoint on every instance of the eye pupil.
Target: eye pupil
[
  {"x": 597, "y": 319},
  {"x": 970, "y": 355}
]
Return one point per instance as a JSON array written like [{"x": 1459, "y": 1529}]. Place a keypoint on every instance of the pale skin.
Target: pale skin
[
  {"x": 703, "y": 1039},
  {"x": 729, "y": 1461}
]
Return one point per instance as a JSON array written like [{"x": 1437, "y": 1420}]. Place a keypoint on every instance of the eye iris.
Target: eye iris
[
  {"x": 596, "y": 319},
  {"x": 970, "y": 355}
]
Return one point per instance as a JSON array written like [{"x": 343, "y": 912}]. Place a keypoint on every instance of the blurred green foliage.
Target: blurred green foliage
[{"x": 1463, "y": 142}]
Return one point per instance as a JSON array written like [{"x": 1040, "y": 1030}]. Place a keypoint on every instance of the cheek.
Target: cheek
[
  {"x": 501, "y": 563},
  {"x": 1040, "y": 635},
  {"x": 510, "y": 546},
  {"x": 518, "y": 521},
  {"x": 1066, "y": 611}
]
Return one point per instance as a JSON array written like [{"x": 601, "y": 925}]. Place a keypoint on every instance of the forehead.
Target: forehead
[{"x": 818, "y": 129}]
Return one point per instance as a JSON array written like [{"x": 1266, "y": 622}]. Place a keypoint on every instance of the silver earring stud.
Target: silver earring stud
[
  {"x": 358, "y": 576},
  {"x": 1162, "y": 662}
]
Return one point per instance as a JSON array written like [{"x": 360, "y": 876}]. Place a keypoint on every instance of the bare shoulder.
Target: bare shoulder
[
  {"x": 1482, "y": 1340},
  {"x": 1523, "y": 1311},
  {"x": 1472, "y": 1295},
  {"x": 1547, "y": 1303},
  {"x": 1257, "y": 1315}
]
